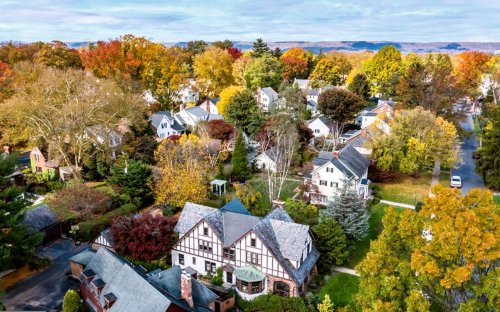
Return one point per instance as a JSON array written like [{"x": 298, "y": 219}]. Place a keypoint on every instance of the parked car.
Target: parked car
[{"x": 456, "y": 181}]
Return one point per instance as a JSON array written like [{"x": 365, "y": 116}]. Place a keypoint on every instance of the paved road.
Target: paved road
[
  {"x": 467, "y": 171},
  {"x": 45, "y": 290}
]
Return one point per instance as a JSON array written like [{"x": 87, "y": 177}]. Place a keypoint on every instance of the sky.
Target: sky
[{"x": 273, "y": 20}]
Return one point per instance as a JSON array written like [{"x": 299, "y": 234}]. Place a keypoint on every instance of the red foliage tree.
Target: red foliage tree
[
  {"x": 147, "y": 237},
  {"x": 234, "y": 52},
  {"x": 471, "y": 66},
  {"x": 220, "y": 130},
  {"x": 294, "y": 64}
]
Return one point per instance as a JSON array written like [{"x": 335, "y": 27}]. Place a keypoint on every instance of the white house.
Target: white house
[
  {"x": 265, "y": 161},
  {"x": 210, "y": 106},
  {"x": 380, "y": 114},
  {"x": 193, "y": 115},
  {"x": 266, "y": 97},
  {"x": 303, "y": 84},
  {"x": 165, "y": 124},
  {"x": 257, "y": 255},
  {"x": 148, "y": 97},
  {"x": 332, "y": 169},
  {"x": 320, "y": 126},
  {"x": 104, "y": 136},
  {"x": 188, "y": 94},
  {"x": 360, "y": 140}
]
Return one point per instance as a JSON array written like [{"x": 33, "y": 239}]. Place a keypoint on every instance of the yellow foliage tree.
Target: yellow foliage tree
[
  {"x": 182, "y": 172},
  {"x": 213, "y": 70},
  {"x": 225, "y": 97},
  {"x": 326, "y": 305}
]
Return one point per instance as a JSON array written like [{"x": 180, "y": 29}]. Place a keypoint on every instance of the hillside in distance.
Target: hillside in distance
[{"x": 325, "y": 46}]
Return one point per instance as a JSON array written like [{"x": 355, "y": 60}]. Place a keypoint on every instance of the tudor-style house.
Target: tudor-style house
[
  {"x": 266, "y": 97},
  {"x": 257, "y": 255},
  {"x": 165, "y": 124},
  {"x": 332, "y": 169}
]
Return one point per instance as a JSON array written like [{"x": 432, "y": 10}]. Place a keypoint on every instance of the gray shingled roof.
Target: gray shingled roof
[
  {"x": 269, "y": 92},
  {"x": 169, "y": 280},
  {"x": 157, "y": 117},
  {"x": 40, "y": 217},
  {"x": 214, "y": 117},
  {"x": 83, "y": 257},
  {"x": 291, "y": 238},
  {"x": 314, "y": 92},
  {"x": 197, "y": 111},
  {"x": 353, "y": 159},
  {"x": 192, "y": 214},
  {"x": 279, "y": 213}
]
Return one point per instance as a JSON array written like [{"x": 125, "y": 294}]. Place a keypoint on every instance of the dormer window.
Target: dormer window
[
  {"x": 253, "y": 242},
  {"x": 109, "y": 300},
  {"x": 98, "y": 284}
]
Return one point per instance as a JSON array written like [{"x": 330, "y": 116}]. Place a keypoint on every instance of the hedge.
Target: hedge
[{"x": 89, "y": 230}]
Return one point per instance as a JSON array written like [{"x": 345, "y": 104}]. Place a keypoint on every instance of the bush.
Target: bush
[
  {"x": 71, "y": 301},
  {"x": 217, "y": 279},
  {"x": 418, "y": 206},
  {"x": 151, "y": 265},
  {"x": 38, "y": 263},
  {"x": 273, "y": 303},
  {"x": 89, "y": 230}
]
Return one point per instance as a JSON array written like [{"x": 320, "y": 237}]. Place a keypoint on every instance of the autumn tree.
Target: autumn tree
[
  {"x": 417, "y": 139},
  {"x": 250, "y": 197},
  {"x": 360, "y": 86},
  {"x": 259, "y": 48},
  {"x": 471, "y": 67},
  {"x": 330, "y": 242},
  {"x": 182, "y": 171},
  {"x": 488, "y": 164},
  {"x": 148, "y": 237},
  {"x": 331, "y": 70},
  {"x": 350, "y": 212},
  {"x": 213, "y": 71},
  {"x": 220, "y": 130},
  {"x": 442, "y": 258},
  {"x": 16, "y": 52},
  {"x": 234, "y": 52},
  {"x": 6, "y": 81},
  {"x": 383, "y": 70},
  {"x": 226, "y": 44},
  {"x": 225, "y": 98},
  {"x": 341, "y": 107},
  {"x": 326, "y": 305},
  {"x": 17, "y": 242},
  {"x": 263, "y": 71},
  {"x": 59, "y": 55},
  {"x": 239, "y": 158},
  {"x": 243, "y": 112},
  {"x": 294, "y": 64},
  {"x": 69, "y": 109}
]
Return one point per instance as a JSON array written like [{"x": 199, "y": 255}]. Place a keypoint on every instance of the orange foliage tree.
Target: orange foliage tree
[
  {"x": 470, "y": 68},
  {"x": 294, "y": 64}
]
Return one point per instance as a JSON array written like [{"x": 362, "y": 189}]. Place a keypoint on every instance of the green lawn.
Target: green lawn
[
  {"x": 496, "y": 199},
  {"x": 259, "y": 183},
  {"x": 444, "y": 178},
  {"x": 406, "y": 189},
  {"x": 362, "y": 247},
  {"x": 341, "y": 288}
]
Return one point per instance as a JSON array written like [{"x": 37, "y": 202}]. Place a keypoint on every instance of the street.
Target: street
[
  {"x": 45, "y": 291},
  {"x": 470, "y": 179}
]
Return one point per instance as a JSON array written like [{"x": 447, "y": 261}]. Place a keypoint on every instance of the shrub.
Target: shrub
[
  {"x": 217, "y": 279},
  {"x": 418, "y": 206},
  {"x": 71, "y": 301},
  {"x": 38, "y": 263},
  {"x": 273, "y": 303}
]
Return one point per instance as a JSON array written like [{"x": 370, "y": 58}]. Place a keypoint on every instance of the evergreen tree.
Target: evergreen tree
[
  {"x": 331, "y": 243},
  {"x": 71, "y": 301},
  {"x": 488, "y": 164},
  {"x": 132, "y": 176},
  {"x": 239, "y": 159},
  {"x": 360, "y": 86},
  {"x": 17, "y": 244},
  {"x": 243, "y": 112},
  {"x": 348, "y": 210},
  {"x": 277, "y": 53},
  {"x": 259, "y": 47}
]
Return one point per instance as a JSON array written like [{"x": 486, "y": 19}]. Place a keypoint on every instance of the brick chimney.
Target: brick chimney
[
  {"x": 336, "y": 154},
  {"x": 187, "y": 288}
]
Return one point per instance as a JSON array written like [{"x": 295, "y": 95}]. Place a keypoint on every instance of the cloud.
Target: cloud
[{"x": 276, "y": 20}]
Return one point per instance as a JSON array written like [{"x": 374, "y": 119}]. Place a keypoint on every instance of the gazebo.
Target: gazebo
[{"x": 218, "y": 186}]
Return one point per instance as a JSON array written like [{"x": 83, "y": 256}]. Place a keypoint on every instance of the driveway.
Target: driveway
[
  {"x": 467, "y": 171},
  {"x": 45, "y": 290}
]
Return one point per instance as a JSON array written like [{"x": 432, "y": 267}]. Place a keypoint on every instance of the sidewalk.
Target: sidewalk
[
  {"x": 383, "y": 201},
  {"x": 345, "y": 270}
]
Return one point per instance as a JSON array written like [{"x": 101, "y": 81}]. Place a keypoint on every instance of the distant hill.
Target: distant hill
[{"x": 325, "y": 46}]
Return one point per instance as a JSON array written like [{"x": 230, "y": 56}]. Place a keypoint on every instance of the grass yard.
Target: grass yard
[
  {"x": 362, "y": 247},
  {"x": 341, "y": 288},
  {"x": 496, "y": 199},
  {"x": 259, "y": 183},
  {"x": 406, "y": 189},
  {"x": 444, "y": 178}
]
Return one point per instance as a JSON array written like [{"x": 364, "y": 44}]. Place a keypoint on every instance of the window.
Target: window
[
  {"x": 37, "y": 157},
  {"x": 205, "y": 246},
  {"x": 323, "y": 182},
  {"x": 253, "y": 258},
  {"x": 316, "y": 130},
  {"x": 210, "y": 267},
  {"x": 256, "y": 288},
  {"x": 253, "y": 242},
  {"x": 334, "y": 184},
  {"x": 228, "y": 253},
  {"x": 229, "y": 277},
  {"x": 205, "y": 231},
  {"x": 250, "y": 287},
  {"x": 194, "y": 260},
  {"x": 309, "y": 247},
  {"x": 328, "y": 169},
  {"x": 181, "y": 259},
  {"x": 38, "y": 169}
]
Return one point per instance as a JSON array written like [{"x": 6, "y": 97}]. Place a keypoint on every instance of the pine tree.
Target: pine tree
[
  {"x": 360, "y": 86},
  {"x": 348, "y": 210},
  {"x": 331, "y": 243},
  {"x": 326, "y": 305},
  {"x": 259, "y": 47},
  {"x": 239, "y": 159},
  {"x": 277, "y": 52},
  {"x": 488, "y": 164},
  {"x": 17, "y": 244}
]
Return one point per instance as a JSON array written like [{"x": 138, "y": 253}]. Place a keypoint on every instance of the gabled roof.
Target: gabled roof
[
  {"x": 40, "y": 217},
  {"x": 196, "y": 111},
  {"x": 157, "y": 117},
  {"x": 325, "y": 120},
  {"x": 169, "y": 280},
  {"x": 192, "y": 214},
  {"x": 235, "y": 205},
  {"x": 110, "y": 238},
  {"x": 83, "y": 257},
  {"x": 269, "y": 92},
  {"x": 350, "y": 161}
]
